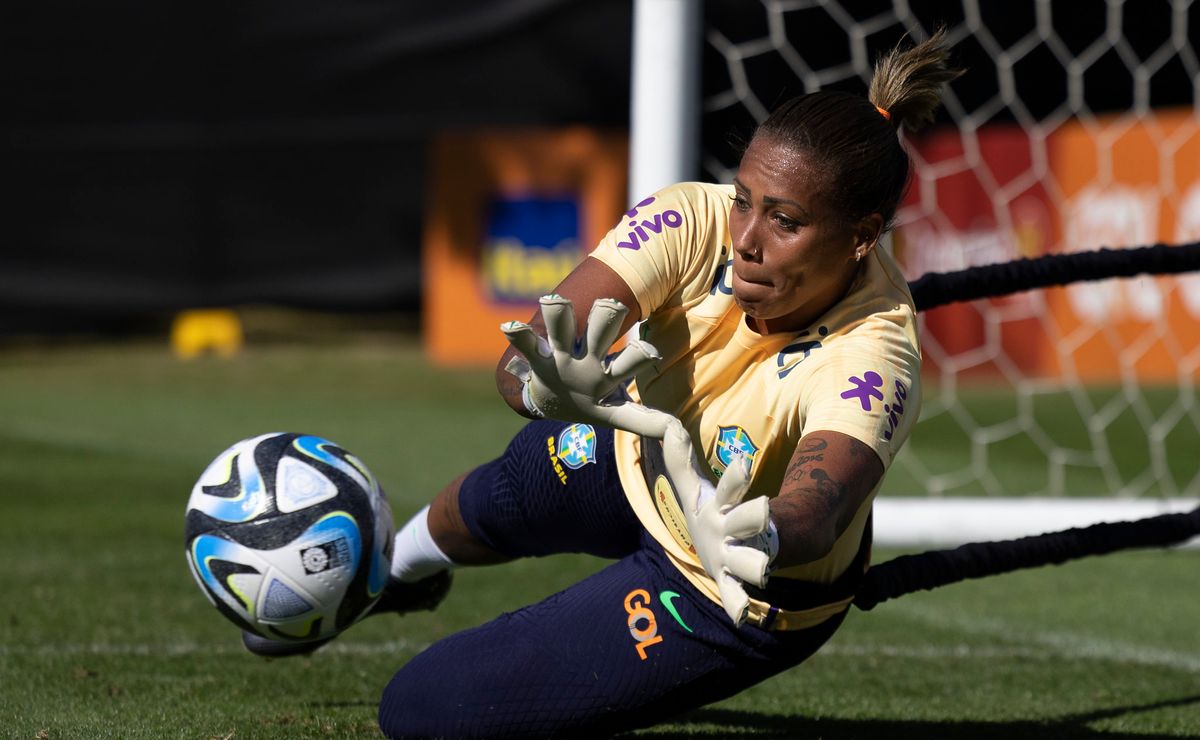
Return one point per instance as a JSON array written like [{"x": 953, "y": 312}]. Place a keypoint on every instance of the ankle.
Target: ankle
[{"x": 416, "y": 555}]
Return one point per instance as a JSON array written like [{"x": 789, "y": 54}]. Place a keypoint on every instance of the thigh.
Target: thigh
[
  {"x": 555, "y": 489},
  {"x": 628, "y": 647}
]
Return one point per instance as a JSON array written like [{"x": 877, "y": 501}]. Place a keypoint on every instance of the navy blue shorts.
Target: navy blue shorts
[{"x": 627, "y": 647}]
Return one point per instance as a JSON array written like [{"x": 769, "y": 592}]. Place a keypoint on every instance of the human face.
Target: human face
[{"x": 794, "y": 257}]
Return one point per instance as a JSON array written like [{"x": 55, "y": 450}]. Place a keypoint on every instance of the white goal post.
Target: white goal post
[
  {"x": 664, "y": 142},
  {"x": 1075, "y": 126}
]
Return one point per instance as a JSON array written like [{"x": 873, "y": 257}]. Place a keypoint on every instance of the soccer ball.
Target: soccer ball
[{"x": 289, "y": 536}]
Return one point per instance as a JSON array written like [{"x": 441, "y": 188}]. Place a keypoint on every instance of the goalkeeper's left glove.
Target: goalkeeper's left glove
[
  {"x": 572, "y": 379},
  {"x": 724, "y": 529}
]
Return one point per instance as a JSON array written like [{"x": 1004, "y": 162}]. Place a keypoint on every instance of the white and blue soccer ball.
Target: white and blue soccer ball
[{"x": 289, "y": 536}]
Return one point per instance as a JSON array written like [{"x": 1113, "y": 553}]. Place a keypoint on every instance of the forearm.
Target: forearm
[
  {"x": 804, "y": 535},
  {"x": 828, "y": 479}
]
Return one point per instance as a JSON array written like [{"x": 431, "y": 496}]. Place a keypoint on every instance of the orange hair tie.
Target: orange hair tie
[{"x": 886, "y": 116}]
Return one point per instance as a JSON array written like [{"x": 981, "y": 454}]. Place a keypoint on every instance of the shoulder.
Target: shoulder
[
  {"x": 667, "y": 245},
  {"x": 877, "y": 317},
  {"x": 884, "y": 344},
  {"x": 694, "y": 199},
  {"x": 688, "y": 220},
  {"x": 868, "y": 342},
  {"x": 873, "y": 396}
]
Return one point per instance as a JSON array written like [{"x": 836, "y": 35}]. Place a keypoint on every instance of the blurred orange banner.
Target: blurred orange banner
[
  {"x": 1000, "y": 194},
  {"x": 509, "y": 215},
  {"x": 1129, "y": 183}
]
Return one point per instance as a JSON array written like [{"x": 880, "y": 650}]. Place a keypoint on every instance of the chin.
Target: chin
[
  {"x": 757, "y": 300},
  {"x": 753, "y": 309}
]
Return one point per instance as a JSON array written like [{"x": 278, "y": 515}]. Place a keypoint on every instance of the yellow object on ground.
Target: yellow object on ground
[{"x": 203, "y": 330}]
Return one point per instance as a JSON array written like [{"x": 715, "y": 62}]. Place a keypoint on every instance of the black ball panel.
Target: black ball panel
[
  {"x": 222, "y": 569},
  {"x": 231, "y": 488}
]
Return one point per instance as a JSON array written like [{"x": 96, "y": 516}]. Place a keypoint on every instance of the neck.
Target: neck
[{"x": 804, "y": 317}]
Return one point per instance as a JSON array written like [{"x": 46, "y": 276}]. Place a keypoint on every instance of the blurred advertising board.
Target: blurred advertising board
[
  {"x": 1000, "y": 195},
  {"x": 952, "y": 222},
  {"x": 1130, "y": 183},
  {"x": 509, "y": 215}
]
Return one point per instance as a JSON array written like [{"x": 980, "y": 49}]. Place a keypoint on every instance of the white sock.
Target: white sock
[{"x": 416, "y": 555}]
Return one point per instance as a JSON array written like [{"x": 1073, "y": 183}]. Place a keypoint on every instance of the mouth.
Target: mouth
[{"x": 751, "y": 281}]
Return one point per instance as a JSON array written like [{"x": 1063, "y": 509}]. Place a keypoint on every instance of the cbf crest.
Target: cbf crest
[
  {"x": 577, "y": 446},
  {"x": 733, "y": 442}
]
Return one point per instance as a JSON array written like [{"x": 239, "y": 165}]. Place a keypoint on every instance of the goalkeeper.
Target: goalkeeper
[
  {"x": 783, "y": 346},
  {"x": 732, "y": 480}
]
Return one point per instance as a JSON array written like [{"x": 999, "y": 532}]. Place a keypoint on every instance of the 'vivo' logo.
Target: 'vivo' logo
[
  {"x": 636, "y": 238},
  {"x": 895, "y": 410}
]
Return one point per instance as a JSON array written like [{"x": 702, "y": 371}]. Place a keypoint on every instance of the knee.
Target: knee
[
  {"x": 457, "y": 687},
  {"x": 450, "y": 531},
  {"x": 414, "y": 707}
]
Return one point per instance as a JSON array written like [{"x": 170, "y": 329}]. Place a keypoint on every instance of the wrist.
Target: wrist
[
  {"x": 771, "y": 544},
  {"x": 530, "y": 404}
]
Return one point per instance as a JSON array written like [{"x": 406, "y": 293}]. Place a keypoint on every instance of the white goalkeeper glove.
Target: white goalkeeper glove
[
  {"x": 723, "y": 528},
  {"x": 569, "y": 378}
]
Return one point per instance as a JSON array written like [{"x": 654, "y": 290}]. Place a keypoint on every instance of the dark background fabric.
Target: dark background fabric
[{"x": 186, "y": 154}]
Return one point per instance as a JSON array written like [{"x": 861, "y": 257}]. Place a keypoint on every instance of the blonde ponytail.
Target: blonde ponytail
[{"x": 908, "y": 83}]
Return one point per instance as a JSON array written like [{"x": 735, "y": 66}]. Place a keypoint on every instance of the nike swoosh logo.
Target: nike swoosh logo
[{"x": 667, "y": 597}]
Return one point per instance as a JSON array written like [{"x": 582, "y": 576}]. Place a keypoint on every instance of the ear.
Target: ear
[{"x": 866, "y": 234}]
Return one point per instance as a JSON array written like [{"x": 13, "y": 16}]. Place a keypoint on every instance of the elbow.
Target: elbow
[
  {"x": 805, "y": 533},
  {"x": 821, "y": 542},
  {"x": 804, "y": 544}
]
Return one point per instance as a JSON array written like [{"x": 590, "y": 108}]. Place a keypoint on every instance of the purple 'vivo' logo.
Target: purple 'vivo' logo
[
  {"x": 895, "y": 410},
  {"x": 635, "y": 239}
]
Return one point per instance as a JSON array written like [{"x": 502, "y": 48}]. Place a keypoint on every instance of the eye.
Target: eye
[
  {"x": 740, "y": 202},
  {"x": 785, "y": 223}
]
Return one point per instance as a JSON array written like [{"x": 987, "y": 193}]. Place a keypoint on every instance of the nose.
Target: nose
[{"x": 745, "y": 237}]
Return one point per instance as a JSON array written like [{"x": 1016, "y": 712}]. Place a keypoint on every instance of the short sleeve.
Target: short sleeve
[
  {"x": 874, "y": 398},
  {"x": 664, "y": 243}
]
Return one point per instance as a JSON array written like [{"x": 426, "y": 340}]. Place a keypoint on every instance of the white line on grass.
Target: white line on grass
[
  {"x": 396, "y": 646},
  {"x": 930, "y": 652},
  {"x": 1065, "y": 643},
  {"x": 1050, "y": 644},
  {"x": 185, "y": 649}
]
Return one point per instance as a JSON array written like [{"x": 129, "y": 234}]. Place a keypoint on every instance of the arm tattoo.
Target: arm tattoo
[
  {"x": 813, "y": 483},
  {"x": 825, "y": 484},
  {"x": 830, "y": 489},
  {"x": 810, "y": 452},
  {"x": 813, "y": 444}
]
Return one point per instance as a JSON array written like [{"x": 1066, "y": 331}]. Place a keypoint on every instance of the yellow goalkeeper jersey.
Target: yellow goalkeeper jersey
[{"x": 856, "y": 370}]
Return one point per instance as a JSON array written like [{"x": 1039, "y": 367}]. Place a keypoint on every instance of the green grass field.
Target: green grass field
[{"x": 104, "y": 634}]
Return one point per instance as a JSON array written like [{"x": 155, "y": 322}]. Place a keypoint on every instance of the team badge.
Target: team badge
[
  {"x": 733, "y": 442},
  {"x": 577, "y": 446}
]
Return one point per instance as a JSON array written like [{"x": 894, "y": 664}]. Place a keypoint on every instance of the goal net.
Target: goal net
[{"x": 1075, "y": 126}]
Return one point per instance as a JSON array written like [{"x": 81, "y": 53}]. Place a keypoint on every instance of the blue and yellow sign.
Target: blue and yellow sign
[
  {"x": 531, "y": 245},
  {"x": 510, "y": 214}
]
